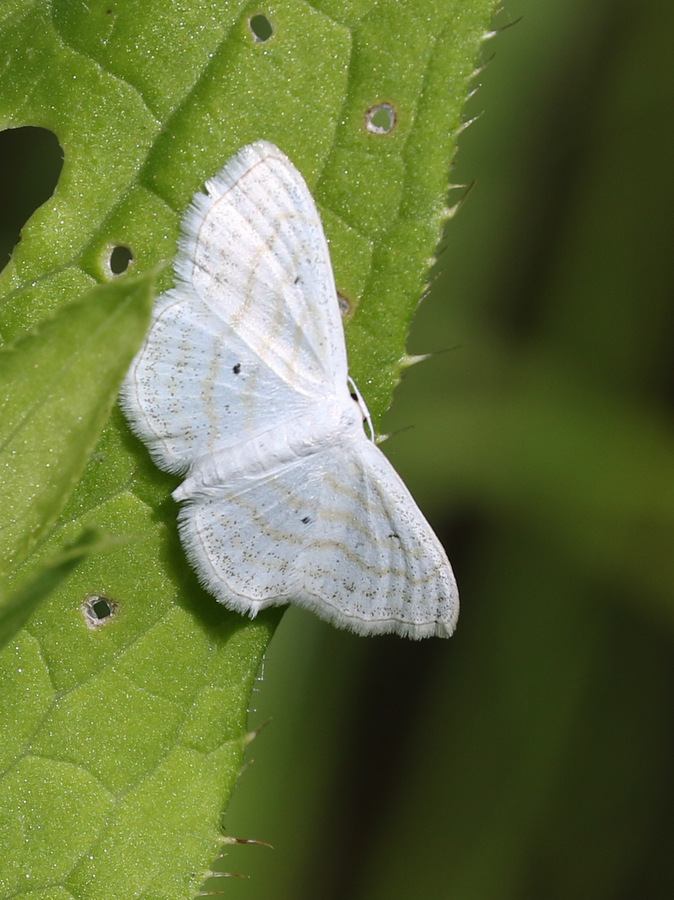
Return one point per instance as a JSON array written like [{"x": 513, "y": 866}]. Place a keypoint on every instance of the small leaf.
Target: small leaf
[{"x": 57, "y": 387}]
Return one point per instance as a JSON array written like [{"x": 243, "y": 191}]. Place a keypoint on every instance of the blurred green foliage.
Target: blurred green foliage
[{"x": 530, "y": 756}]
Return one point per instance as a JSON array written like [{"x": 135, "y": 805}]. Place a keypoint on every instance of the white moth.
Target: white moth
[{"x": 242, "y": 383}]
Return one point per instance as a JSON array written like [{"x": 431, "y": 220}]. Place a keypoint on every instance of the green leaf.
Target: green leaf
[
  {"x": 17, "y": 608},
  {"x": 57, "y": 386},
  {"x": 123, "y": 743}
]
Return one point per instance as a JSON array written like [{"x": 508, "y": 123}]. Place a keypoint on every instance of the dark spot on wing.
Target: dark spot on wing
[
  {"x": 306, "y": 520},
  {"x": 236, "y": 369}
]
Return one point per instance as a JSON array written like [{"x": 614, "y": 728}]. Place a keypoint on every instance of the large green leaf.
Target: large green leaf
[{"x": 122, "y": 742}]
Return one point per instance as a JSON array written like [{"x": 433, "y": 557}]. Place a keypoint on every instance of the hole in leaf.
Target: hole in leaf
[
  {"x": 121, "y": 258},
  {"x": 261, "y": 27},
  {"x": 98, "y": 610},
  {"x": 345, "y": 306},
  {"x": 380, "y": 119},
  {"x": 31, "y": 160}
]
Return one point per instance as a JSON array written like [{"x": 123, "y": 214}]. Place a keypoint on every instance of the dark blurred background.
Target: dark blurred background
[{"x": 530, "y": 756}]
